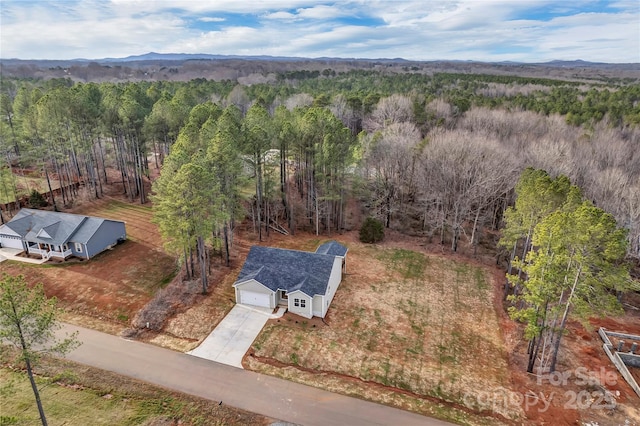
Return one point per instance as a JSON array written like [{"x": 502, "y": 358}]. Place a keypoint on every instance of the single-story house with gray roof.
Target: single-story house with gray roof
[
  {"x": 60, "y": 235},
  {"x": 304, "y": 282}
]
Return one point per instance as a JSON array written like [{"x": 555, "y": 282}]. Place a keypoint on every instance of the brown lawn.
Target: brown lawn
[
  {"x": 106, "y": 291},
  {"x": 421, "y": 324}
]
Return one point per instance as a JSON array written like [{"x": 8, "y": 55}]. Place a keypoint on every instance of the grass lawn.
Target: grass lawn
[
  {"x": 415, "y": 328},
  {"x": 74, "y": 394}
]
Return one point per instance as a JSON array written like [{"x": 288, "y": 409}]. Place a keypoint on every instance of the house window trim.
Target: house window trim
[
  {"x": 296, "y": 302},
  {"x": 303, "y": 303},
  {"x": 78, "y": 247}
]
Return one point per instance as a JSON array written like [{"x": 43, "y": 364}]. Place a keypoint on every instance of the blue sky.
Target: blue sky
[{"x": 482, "y": 30}]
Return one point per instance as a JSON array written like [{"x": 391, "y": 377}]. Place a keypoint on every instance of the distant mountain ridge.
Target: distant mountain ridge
[
  {"x": 182, "y": 57},
  {"x": 247, "y": 69},
  {"x": 154, "y": 56}
]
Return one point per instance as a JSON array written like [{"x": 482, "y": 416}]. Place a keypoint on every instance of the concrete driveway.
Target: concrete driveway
[{"x": 233, "y": 337}]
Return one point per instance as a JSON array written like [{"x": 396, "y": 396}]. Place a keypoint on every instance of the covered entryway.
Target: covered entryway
[
  {"x": 11, "y": 242},
  {"x": 255, "y": 299}
]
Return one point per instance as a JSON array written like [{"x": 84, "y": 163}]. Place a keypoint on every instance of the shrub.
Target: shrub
[
  {"x": 36, "y": 200},
  {"x": 372, "y": 231}
]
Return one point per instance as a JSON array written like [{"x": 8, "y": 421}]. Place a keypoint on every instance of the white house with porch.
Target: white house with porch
[{"x": 304, "y": 282}]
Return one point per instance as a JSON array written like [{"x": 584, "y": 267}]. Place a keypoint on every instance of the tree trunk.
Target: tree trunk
[
  {"x": 202, "y": 259},
  {"x": 525, "y": 249},
  {"x": 226, "y": 244},
  {"x": 192, "y": 262},
  {"x": 533, "y": 355},
  {"x": 259, "y": 194},
  {"x": 315, "y": 199},
  {"x": 34, "y": 386},
  {"x": 186, "y": 264},
  {"x": 474, "y": 232},
  {"x": 53, "y": 198},
  {"x": 563, "y": 323},
  {"x": 509, "y": 268}
]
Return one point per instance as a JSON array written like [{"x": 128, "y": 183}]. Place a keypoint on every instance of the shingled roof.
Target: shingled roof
[
  {"x": 333, "y": 248},
  {"x": 289, "y": 270},
  {"x": 55, "y": 228}
]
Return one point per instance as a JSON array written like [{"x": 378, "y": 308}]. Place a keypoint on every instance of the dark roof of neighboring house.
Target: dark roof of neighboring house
[
  {"x": 290, "y": 270},
  {"x": 42, "y": 226},
  {"x": 333, "y": 248}
]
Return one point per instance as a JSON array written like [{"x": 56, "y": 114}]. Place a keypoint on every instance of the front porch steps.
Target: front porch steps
[{"x": 281, "y": 309}]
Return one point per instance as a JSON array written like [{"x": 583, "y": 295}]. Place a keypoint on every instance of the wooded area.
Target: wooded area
[
  {"x": 550, "y": 165},
  {"x": 435, "y": 155}
]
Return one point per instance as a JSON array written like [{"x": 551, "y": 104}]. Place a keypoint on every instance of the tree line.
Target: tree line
[
  {"x": 432, "y": 155},
  {"x": 221, "y": 153}
]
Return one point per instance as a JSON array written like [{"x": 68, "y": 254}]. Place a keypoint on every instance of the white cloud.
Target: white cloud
[
  {"x": 461, "y": 29},
  {"x": 283, "y": 16},
  {"x": 322, "y": 12},
  {"x": 211, "y": 19}
]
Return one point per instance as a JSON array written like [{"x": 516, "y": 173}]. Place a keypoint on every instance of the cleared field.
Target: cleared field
[
  {"x": 418, "y": 327},
  {"x": 114, "y": 285}
]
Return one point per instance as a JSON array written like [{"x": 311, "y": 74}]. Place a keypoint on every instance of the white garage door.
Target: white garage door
[
  {"x": 253, "y": 298},
  {"x": 11, "y": 242}
]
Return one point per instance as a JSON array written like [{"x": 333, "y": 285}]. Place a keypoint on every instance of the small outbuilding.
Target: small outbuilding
[
  {"x": 60, "y": 235},
  {"x": 304, "y": 282}
]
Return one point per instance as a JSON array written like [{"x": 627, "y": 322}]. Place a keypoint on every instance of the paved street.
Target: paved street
[{"x": 266, "y": 395}]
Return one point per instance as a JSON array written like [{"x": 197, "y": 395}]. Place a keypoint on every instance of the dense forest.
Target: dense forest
[{"x": 437, "y": 155}]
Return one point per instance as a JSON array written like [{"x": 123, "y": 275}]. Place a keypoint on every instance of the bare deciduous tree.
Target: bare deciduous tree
[{"x": 394, "y": 109}]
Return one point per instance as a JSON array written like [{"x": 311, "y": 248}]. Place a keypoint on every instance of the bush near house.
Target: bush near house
[
  {"x": 372, "y": 231},
  {"x": 36, "y": 200}
]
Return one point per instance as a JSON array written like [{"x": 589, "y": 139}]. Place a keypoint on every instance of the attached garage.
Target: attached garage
[
  {"x": 255, "y": 299},
  {"x": 11, "y": 242},
  {"x": 303, "y": 281}
]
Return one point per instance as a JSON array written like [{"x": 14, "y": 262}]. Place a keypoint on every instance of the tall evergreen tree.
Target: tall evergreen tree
[{"x": 575, "y": 269}]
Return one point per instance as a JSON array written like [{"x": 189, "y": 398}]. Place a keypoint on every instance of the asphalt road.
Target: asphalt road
[{"x": 266, "y": 395}]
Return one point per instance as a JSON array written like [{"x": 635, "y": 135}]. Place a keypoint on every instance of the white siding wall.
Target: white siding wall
[
  {"x": 332, "y": 287},
  {"x": 318, "y": 309},
  {"x": 303, "y": 311}
]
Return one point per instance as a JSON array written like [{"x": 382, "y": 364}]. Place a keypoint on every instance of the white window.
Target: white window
[
  {"x": 79, "y": 247},
  {"x": 303, "y": 303},
  {"x": 296, "y": 302}
]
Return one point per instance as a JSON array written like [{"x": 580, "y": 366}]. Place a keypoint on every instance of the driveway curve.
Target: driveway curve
[{"x": 266, "y": 395}]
